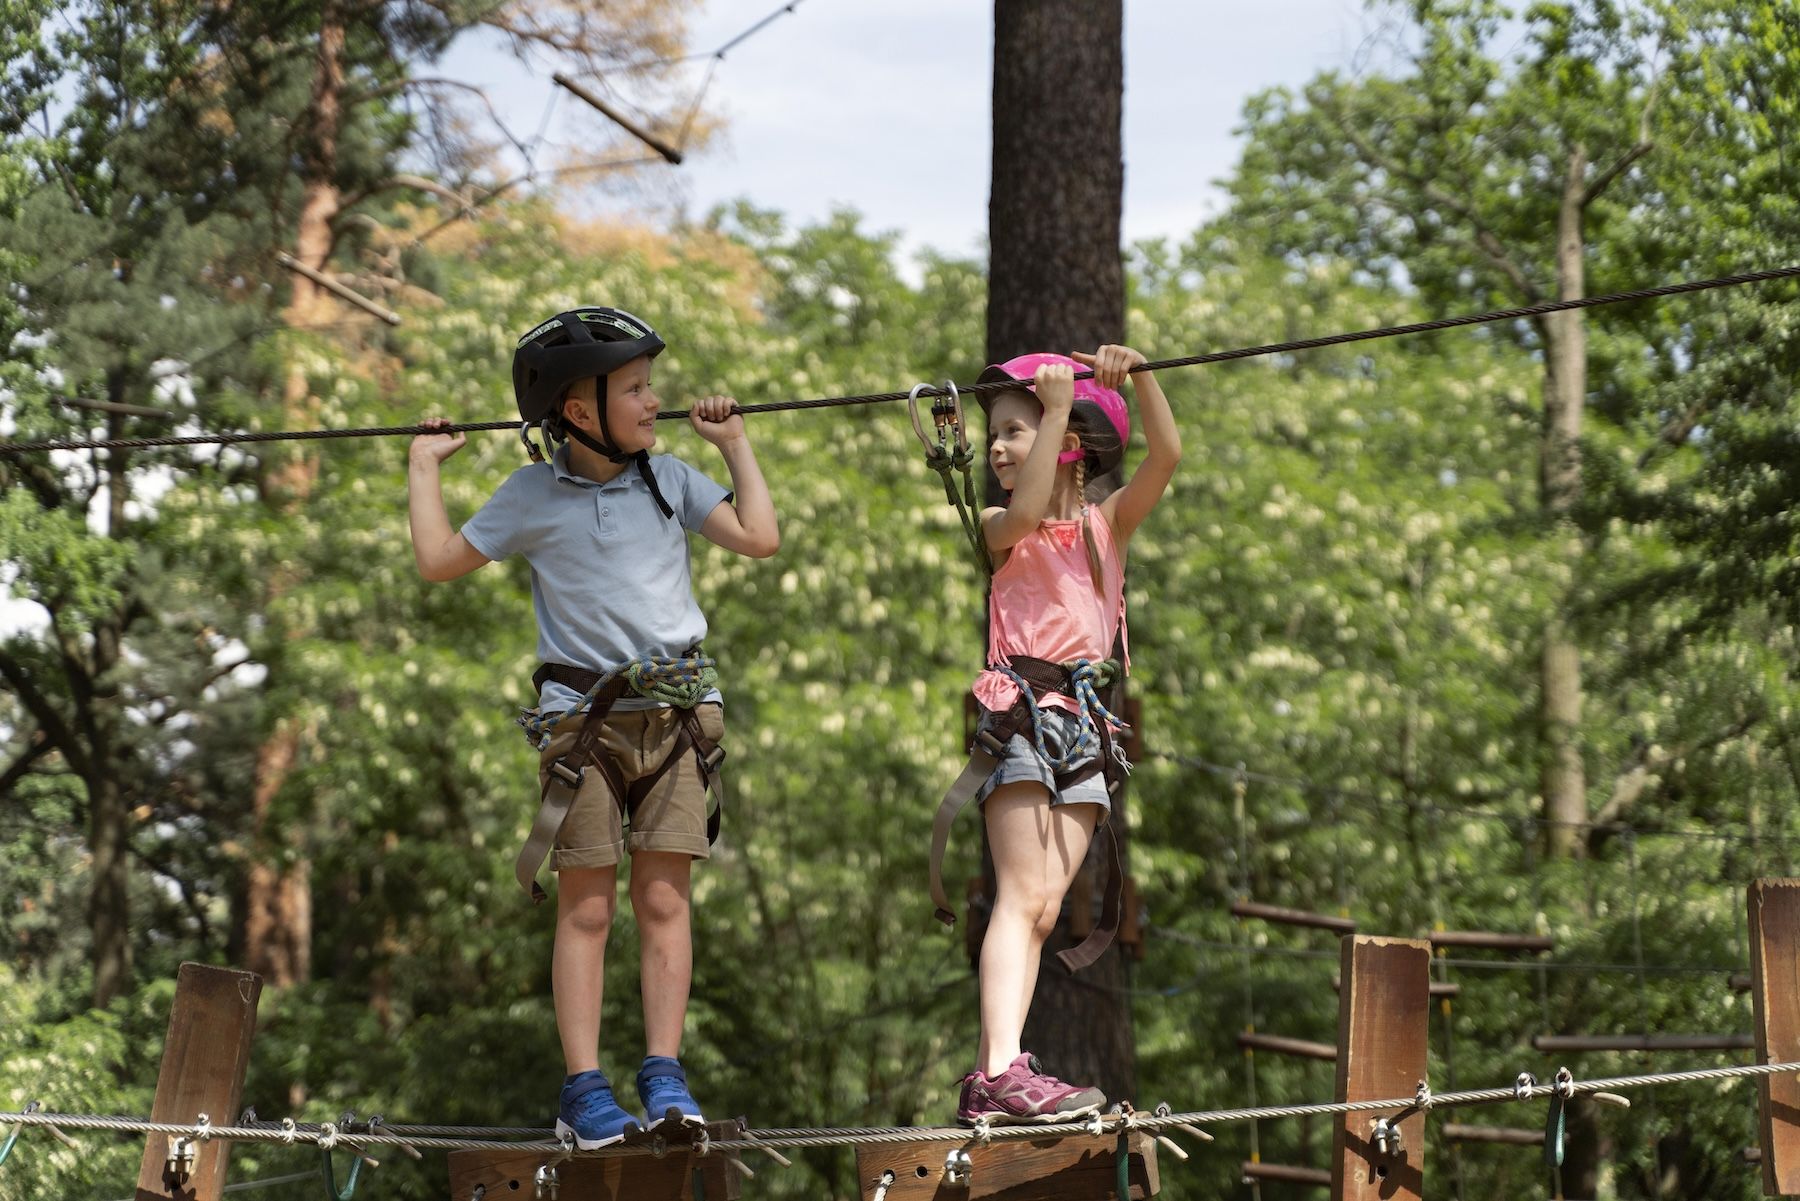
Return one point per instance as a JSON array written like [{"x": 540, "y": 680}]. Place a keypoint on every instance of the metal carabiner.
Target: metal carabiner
[
  {"x": 949, "y": 410},
  {"x": 531, "y": 448},
  {"x": 912, "y": 409}
]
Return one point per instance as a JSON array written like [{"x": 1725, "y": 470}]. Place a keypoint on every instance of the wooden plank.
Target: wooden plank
[
  {"x": 1775, "y": 977},
  {"x": 1285, "y": 916},
  {"x": 1071, "y": 1168},
  {"x": 1306, "y": 1048},
  {"x": 1486, "y": 940},
  {"x": 671, "y": 1177},
  {"x": 1383, "y": 1015},
  {"x": 204, "y": 1059},
  {"x": 1559, "y": 1043},
  {"x": 1316, "y": 1177},
  {"x": 1458, "y": 1132}
]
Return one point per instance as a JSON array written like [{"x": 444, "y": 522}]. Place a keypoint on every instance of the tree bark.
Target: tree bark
[
  {"x": 277, "y": 916},
  {"x": 97, "y": 698},
  {"x": 1563, "y": 779},
  {"x": 1056, "y": 282}
]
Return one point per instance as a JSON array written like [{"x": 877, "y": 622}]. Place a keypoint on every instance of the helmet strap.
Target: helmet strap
[{"x": 615, "y": 455}]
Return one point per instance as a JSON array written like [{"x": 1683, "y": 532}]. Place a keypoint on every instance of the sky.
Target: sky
[{"x": 882, "y": 105}]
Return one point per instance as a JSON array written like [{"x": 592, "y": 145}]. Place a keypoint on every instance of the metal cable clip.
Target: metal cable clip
[
  {"x": 959, "y": 1170},
  {"x": 546, "y": 1182}
]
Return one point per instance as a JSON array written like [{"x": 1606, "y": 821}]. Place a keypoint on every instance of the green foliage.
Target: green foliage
[{"x": 1338, "y": 593}]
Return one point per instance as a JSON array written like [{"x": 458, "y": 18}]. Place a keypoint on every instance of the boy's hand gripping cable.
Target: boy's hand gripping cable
[{"x": 31, "y": 446}]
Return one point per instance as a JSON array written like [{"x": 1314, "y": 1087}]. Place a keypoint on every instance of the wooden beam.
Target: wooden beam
[
  {"x": 1485, "y": 940},
  {"x": 336, "y": 289},
  {"x": 1316, "y": 1177},
  {"x": 1554, "y": 1043},
  {"x": 1383, "y": 1016},
  {"x": 204, "y": 1060},
  {"x": 1282, "y": 915},
  {"x": 1306, "y": 1048},
  {"x": 1775, "y": 975},
  {"x": 1457, "y": 1132},
  {"x": 1071, "y": 1168},
  {"x": 677, "y": 1175},
  {"x": 617, "y": 118}
]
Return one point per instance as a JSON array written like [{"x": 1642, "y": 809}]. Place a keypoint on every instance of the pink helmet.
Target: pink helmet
[{"x": 1088, "y": 394}]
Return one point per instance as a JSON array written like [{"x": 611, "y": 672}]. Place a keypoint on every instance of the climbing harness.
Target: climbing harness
[
  {"x": 1037, "y": 676},
  {"x": 951, "y": 452},
  {"x": 681, "y": 683}
]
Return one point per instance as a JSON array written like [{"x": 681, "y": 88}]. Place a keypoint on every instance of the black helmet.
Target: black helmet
[{"x": 571, "y": 346}]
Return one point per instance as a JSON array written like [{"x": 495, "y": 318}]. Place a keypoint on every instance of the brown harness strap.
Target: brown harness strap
[{"x": 563, "y": 780}]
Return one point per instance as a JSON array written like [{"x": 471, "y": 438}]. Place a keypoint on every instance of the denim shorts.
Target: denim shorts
[{"x": 1023, "y": 765}]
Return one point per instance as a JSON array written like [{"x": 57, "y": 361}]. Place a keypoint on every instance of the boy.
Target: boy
[{"x": 604, "y": 527}]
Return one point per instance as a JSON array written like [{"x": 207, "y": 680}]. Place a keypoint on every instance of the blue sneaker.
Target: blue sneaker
[
  {"x": 662, "y": 1087},
  {"x": 590, "y": 1114}
]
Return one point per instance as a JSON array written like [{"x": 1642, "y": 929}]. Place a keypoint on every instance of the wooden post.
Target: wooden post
[
  {"x": 204, "y": 1060},
  {"x": 676, "y": 1175},
  {"x": 1383, "y": 1012},
  {"x": 1775, "y": 977},
  {"x": 1064, "y": 1168}
]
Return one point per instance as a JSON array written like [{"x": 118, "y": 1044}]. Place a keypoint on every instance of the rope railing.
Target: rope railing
[
  {"x": 327, "y": 1135},
  {"x": 1519, "y": 313}
]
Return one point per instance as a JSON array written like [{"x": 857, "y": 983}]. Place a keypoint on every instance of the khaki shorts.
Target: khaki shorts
[{"x": 671, "y": 817}]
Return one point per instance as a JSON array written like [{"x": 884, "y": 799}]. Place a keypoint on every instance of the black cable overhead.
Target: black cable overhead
[{"x": 785, "y": 406}]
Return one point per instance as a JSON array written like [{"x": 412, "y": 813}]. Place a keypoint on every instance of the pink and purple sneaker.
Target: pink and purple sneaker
[{"x": 1023, "y": 1094}]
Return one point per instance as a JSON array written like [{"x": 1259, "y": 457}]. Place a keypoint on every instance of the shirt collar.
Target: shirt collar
[{"x": 559, "y": 462}]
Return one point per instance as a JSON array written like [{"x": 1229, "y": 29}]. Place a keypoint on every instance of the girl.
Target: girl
[{"x": 1057, "y": 608}]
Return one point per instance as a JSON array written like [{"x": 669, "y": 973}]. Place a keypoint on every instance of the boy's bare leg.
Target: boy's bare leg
[
  {"x": 586, "y": 898},
  {"x": 660, "y": 901}
]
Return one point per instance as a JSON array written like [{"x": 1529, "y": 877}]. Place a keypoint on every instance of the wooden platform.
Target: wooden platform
[
  {"x": 1048, "y": 1169},
  {"x": 677, "y": 1175}
]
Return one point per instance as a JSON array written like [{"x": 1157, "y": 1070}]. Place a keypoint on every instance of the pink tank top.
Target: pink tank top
[{"x": 1043, "y": 605}]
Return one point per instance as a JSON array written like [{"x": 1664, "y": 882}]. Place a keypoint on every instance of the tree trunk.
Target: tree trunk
[
  {"x": 1056, "y": 282},
  {"x": 109, "y": 816},
  {"x": 278, "y": 901},
  {"x": 1563, "y": 780}
]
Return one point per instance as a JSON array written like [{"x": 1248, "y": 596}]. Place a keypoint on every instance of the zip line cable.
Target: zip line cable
[
  {"x": 1332, "y": 792},
  {"x": 329, "y": 1135},
  {"x": 828, "y": 402}
]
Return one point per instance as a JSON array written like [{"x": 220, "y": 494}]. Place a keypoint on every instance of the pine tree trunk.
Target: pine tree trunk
[
  {"x": 109, "y": 814},
  {"x": 1056, "y": 282},
  {"x": 278, "y": 902},
  {"x": 1564, "y": 782}
]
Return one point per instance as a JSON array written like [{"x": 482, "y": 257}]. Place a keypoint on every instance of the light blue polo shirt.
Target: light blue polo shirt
[{"x": 609, "y": 573}]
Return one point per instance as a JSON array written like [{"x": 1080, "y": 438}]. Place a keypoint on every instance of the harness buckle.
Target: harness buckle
[
  {"x": 711, "y": 760},
  {"x": 985, "y": 740},
  {"x": 570, "y": 776}
]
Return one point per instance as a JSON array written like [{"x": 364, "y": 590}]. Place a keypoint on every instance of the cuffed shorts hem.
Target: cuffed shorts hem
[
  {"x": 605, "y": 855},
  {"x": 675, "y": 844}
]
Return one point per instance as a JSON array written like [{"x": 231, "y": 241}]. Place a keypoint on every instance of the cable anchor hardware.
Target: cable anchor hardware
[
  {"x": 546, "y": 1183},
  {"x": 959, "y": 1169}
]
